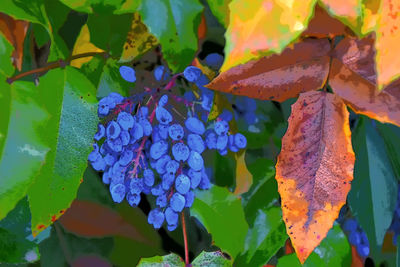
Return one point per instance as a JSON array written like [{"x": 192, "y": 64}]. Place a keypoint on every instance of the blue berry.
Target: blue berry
[
  {"x": 226, "y": 115},
  {"x": 100, "y": 132},
  {"x": 192, "y": 74},
  {"x": 163, "y": 131},
  {"x": 117, "y": 192},
  {"x": 350, "y": 225},
  {"x": 221, "y": 127},
  {"x": 125, "y": 120},
  {"x": 189, "y": 199},
  {"x": 148, "y": 177},
  {"x": 146, "y": 126},
  {"x": 354, "y": 238},
  {"x": 240, "y": 140},
  {"x": 163, "y": 116},
  {"x": 142, "y": 113},
  {"x": 363, "y": 250},
  {"x": 133, "y": 199},
  {"x": 103, "y": 108},
  {"x": 223, "y": 152},
  {"x": 127, "y": 73},
  {"x": 161, "y": 201},
  {"x": 196, "y": 143},
  {"x": 156, "y": 218},
  {"x": 126, "y": 157},
  {"x": 222, "y": 142},
  {"x": 182, "y": 184},
  {"x": 136, "y": 185},
  {"x": 118, "y": 173},
  {"x": 125, "y": 138},
  {"x": 172, "y": 166},
  {"x": 194, "y": 125},
  {"x": 177, "y": 202},
  {"x": 136, "y": 132},
  {"x": 114, "y": 99},
  {"x": 159, "y": 71},
  {"x": 167, "y": 181},
  {"x": 161, "y": 162},
  {"x": 195, "y": 161},
  {"x": 94, "y": 154},
  {"x": 214, "y": 60},
  {"x": 115, "y": 145},
  {"x": 205, "y": 181},
  {"x": 211, "y": 140},
  {"x": 180, "y": 151},
  {"x": 171, "y": 216},
  {"x": 189, "y": 96},
  {"x": 106, "y": 178},
  {"x": 172, "y": 227},
  {"x": 195, "y": 178},
  {"x": 158, "y": 149},
  {"x": 163, "y": 101},
  {"x": 113, "y": 130},
  {"x": 157, "y": 190},
  {"x": 203, "y": 80},
  {"x": 99, "y": 164},
  {"x": 176, "y": 132}
]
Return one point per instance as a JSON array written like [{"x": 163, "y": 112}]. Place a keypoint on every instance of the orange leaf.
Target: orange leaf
[
  {"x": 89, "y": 219},
  {"x": 314, "y": 168},
  {"x": 260, "y": 27},
  {"x": 14, "y": 31},
  {"x": 387, "y": 40},
  {"x": 357, "y": 261},
  {"x": 279, "y": 77},
  {"x": 202, "y": 29},
  {"x": 322, "y": 25}
]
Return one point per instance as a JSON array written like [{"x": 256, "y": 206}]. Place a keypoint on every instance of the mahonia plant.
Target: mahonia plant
[{"x": 142, "y": 149}]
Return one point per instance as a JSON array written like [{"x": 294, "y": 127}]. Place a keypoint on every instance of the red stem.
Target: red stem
[
  {"x": 53, "y": 65},
  {"x": 185, "y": 239}
]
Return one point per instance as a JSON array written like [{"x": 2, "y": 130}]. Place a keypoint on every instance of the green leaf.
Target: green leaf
[
  {"x": 174, "y": 23},
  {"x": 264, "y": 239},
  {"x": 111, "y": 81},
  {"x": 129, "y": 6},
  {"x": 398, "y": 252},
  {"x": 93, "y": 69},
  {"x": 35, "y": 12},
  {"x": 15, "y": 247},
  {"x": 220, "y": 9},
  {"x": 334, "y": 250},
  {"x": 109, "y": 32},
  {"x": 215, "y": 208},
  {"x": 96, "y": 6},
  {"x": 6, "y": 67},
  {"x": 70, "y": 97},
  {"x": 391, "y": 137},
  {"x": 162, "y": 261},
  {"x": 206, "y": 259},
  {"x": 264, "y": 190},
  {"x": 22, "y": 149},
  {"x": 373, "y": 193}
]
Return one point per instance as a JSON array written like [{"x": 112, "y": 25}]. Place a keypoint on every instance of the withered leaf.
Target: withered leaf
[
  {"x": 314, "y": 168},
  {"x": 301, "y": 68}
]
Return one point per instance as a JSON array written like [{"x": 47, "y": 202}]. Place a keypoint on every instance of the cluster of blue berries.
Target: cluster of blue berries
[
  {"x": 143, "y": 152},
  {"x": 356, "y": 236}
]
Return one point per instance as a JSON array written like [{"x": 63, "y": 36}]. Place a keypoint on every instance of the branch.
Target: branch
[
  {"x": 53, "y": 65},
  {"x": 185, "y": 239}
]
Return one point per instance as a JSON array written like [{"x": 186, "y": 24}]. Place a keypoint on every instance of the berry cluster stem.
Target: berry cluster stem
[{"x": 185, "y": 238}]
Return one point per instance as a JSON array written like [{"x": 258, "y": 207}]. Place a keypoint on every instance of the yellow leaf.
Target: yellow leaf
[
  {"x": 138, "y": 41},
  {"x": 348, "y": 11},
  {"x": 244, "y": 178},
  {"x": 370, "y": 16},
  {"x": 83, "y": 45},
  {"x": 387, "y": 40},
  {"x": 261, "y": 27}
]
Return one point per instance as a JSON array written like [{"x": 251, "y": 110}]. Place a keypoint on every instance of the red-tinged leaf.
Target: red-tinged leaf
[
  {"x": 90, "y": 260},
  {"x": 279, "y": 77},
  {"x": 358, "y": 55},
  {"x": 14, "y": 31},
  {"x": 387, "y": 40},
  {"x": 322, "y": 25},
  {"x": 202, "y": 29},
  {"x": 263, "y": 27},
  {"x": 314, "y": 168},
  {"x": 348, "y": 11},
  {"x": 90, "y": 219},
  {"x": 360, "y": 94}
]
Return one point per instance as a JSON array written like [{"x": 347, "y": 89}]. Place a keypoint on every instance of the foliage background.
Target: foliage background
[{"x": 55, "y": 211}]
